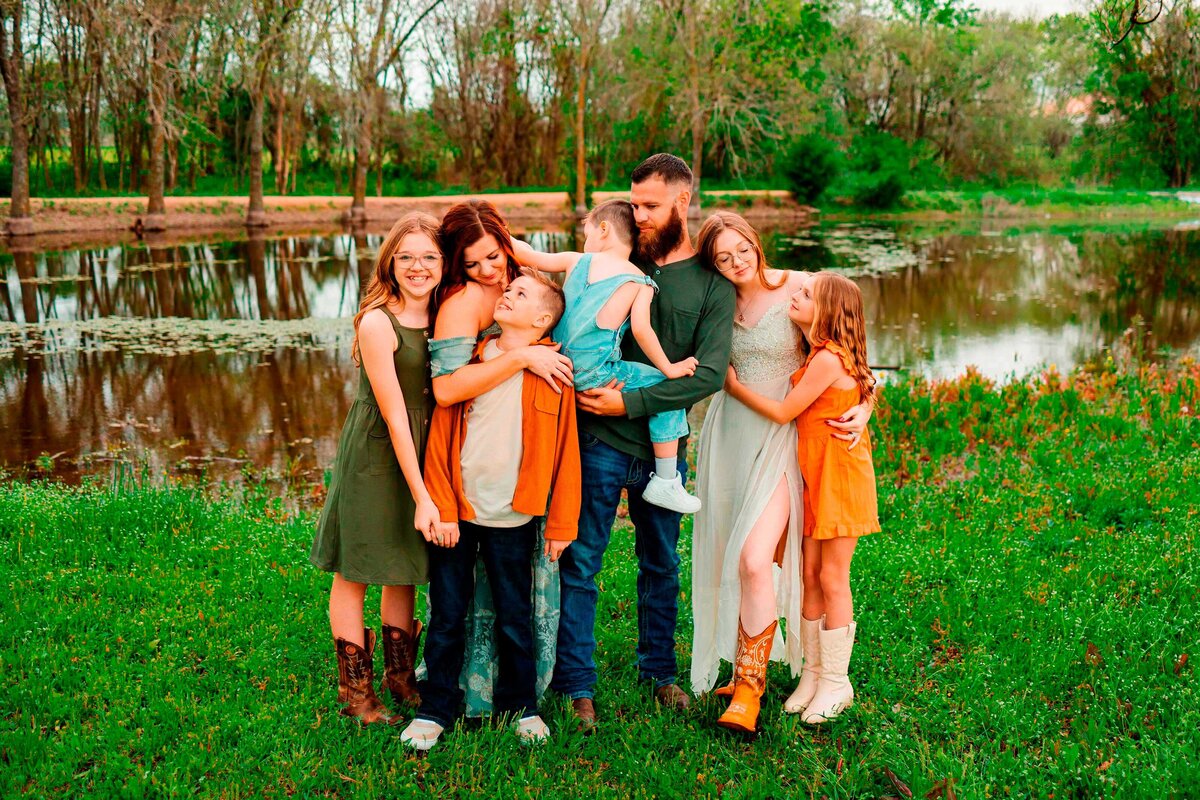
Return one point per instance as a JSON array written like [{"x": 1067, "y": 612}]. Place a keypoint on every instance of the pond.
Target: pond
[{"x": 230, "y": 358}]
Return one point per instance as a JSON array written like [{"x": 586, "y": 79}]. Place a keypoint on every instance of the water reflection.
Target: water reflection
[
  {"x": 223, "y": 357},
  {"x": 1009, "y": 302}
]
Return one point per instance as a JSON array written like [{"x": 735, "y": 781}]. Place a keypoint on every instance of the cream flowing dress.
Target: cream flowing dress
[{"x": 742, "y": 457}]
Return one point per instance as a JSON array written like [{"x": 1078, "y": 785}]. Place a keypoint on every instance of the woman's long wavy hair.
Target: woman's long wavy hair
[
  {"x": 383, "y": 286},
  {"x": 464, "y": 225},
  {"x": 839, "y": 318},
  {"x": 718, "y": 223}
]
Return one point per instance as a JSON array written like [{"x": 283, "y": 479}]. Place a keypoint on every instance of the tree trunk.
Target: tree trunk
[
  {"x": 580, "y": 144},
  {"x": 256, "y": 215},
  {"x": 97, "y": 145},
  {"x": 12, "y": 66},
  {"x": 156, "y": 206},
  {"x": 280, "y": 157},
  {"x": 697, "y": 115},
  {"x": 362, "y": 160},
  {"x": 171, "y": 178}
]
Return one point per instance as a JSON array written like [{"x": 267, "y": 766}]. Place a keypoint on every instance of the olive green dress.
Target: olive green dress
[{"x": 366, "y": 531}]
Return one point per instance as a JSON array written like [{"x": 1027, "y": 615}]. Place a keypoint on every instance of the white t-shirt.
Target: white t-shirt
[{"x": 491, "y": 454}]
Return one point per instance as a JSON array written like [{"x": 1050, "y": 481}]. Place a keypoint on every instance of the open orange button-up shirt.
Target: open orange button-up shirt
[{"x": 549, "y": 480}]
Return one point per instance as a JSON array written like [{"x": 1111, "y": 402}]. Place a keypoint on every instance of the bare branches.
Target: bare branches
[{"x": 1121, "y": 17}]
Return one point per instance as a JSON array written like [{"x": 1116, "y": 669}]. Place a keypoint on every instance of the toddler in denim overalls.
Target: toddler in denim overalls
[{"x": 595, "y": 350}]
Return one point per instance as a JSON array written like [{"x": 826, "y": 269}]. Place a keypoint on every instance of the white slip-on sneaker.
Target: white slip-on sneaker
[
  {"x": 532, "y": 729},
  {"x": 421, "y": 734},
  {"x": 670, "y": 494}
]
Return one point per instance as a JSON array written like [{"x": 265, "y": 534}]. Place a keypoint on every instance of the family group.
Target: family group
[{"x": 501, "y": 413}]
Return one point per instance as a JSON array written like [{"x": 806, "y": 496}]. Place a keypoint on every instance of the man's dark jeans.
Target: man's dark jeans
[
  {"x": 507, "y": 555},
  {"x": 606, "y": 471}
]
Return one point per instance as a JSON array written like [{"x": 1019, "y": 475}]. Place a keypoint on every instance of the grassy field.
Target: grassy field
[
  {"x": 1025, "y": 625},
  {"x": 1025, "y": 202}
]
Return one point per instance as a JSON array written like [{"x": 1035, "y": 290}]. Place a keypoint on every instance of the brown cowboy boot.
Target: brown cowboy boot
[
  {"x": 400, "y": 661},
  {"x": 356, "y": 674},
  {"x": 749, "y": 679}
]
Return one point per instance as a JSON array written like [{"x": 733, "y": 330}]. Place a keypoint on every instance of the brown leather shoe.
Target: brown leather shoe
[
  {"x": 671, "y": 696},
  {"x": 356, "y": 674},
  {"x": 585, "y": 714},
  {"x": 400, "y": 661}
]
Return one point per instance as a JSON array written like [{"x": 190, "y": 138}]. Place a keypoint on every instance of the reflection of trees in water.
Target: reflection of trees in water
[
  {"x": 1084, "y": 287},
  {"x": 1155, "y": 276},
  {"x": 259, "y": 278},
  {"x": 171, "y": 408},
  {"x": 1075, "y": 290}
]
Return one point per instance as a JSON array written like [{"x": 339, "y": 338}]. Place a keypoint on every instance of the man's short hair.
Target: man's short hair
[
  {"x": 619, "y": 214},
  {"x": 553, "y": 300},
  {"x": 672, "y": 169}
]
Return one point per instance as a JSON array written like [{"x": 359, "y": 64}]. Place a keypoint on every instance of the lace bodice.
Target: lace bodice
[{"x": 769, "y": 350}]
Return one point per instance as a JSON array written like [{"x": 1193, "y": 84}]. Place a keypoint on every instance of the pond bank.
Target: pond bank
[
  {"x": 120, "y": 215},
  {"x": 75, "y": 219},
  {"x": 1019, "y": 205}
]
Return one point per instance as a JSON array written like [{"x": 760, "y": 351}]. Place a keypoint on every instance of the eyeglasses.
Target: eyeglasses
[
  {"x": 725, "y": 261},
  {"x": 407, "y": 261}
]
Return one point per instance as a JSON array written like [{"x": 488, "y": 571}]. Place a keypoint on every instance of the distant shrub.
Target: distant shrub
[
  {"x": 810, "y": 165},
  {"x": 881, "y": 165}
]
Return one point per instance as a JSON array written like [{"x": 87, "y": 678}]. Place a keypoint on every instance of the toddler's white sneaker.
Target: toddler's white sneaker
[
  {"x": 532, "y": 729},
  {"x": 670, "y": 494},
  {"x": 421, "y": 734}
]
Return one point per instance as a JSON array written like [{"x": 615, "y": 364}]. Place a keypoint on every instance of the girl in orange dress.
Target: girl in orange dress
[{"x": 839, "y": 479}]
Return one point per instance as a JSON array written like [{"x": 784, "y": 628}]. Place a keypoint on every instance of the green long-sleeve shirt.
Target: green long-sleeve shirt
[{"x": 693, "y": 316}]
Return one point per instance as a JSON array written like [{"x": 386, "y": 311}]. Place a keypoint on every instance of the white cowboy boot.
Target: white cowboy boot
[
  {"x": 834, "y": 692},
  {"x": 811, "y": 671}
]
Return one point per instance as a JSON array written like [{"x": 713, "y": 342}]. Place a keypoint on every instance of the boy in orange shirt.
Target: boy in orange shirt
[{"x": 493, "y": 465}]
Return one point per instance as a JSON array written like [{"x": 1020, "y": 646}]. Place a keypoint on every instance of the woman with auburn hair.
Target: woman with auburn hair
[
  {"x": 479, "y": 265},
  {"x": 746, "y": 542},
  {"x": 378, "y": 514}
]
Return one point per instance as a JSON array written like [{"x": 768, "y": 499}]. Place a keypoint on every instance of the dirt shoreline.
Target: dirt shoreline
[{"x": 63, "y": 221}]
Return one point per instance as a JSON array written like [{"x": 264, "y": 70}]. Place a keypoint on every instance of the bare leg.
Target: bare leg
[
  {"x": 757, "y": 608},
  {"x": 346, "y": 609},
  {"x": 814, "y": 601},
  {"x": 666, "y": 449},
  {"x": 396, "y": 607},
  {"x": 835, "y": 581}
]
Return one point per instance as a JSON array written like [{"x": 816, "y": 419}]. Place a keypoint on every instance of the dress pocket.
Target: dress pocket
[{"x": 381, "y": 458}]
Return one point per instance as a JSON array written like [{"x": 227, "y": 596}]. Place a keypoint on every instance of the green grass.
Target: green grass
[
  {"x": 1024, "y": 626},
  {"x": 1025, "y": 202}
]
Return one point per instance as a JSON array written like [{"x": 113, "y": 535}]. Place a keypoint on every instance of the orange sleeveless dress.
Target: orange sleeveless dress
[{"x": 839, "y": 483}]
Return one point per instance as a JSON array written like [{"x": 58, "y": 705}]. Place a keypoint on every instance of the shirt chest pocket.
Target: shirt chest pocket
[
  {"x": 545, "y": 399},
  {"x": 678, "y": 332}
]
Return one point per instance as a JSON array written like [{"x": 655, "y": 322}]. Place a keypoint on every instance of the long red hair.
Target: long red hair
[
  {"x": 383, "y": 287},
  {"x": 464, "y": 225},
  {"x": 839, "y": 318}
]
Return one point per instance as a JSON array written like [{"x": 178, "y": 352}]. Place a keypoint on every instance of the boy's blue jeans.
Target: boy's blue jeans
[
  {"x": 606, "y": 471},
  {"x": 507, "y": 555}
]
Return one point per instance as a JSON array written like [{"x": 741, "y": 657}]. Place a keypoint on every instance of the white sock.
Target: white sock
[{"x": 665, "y": 468}]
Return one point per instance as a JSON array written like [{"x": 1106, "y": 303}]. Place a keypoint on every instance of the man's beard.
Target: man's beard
[{"x": 653, "y": 246}]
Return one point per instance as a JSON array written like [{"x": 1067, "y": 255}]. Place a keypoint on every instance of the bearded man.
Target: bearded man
[{"x": 693, "y": 316}]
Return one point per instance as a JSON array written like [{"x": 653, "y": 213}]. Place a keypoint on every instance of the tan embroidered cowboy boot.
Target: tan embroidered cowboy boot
[
  {"x": 749, "y": 679},
  {"x": 400, "y": 661},
  {"x": 356, "y": 676}
]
